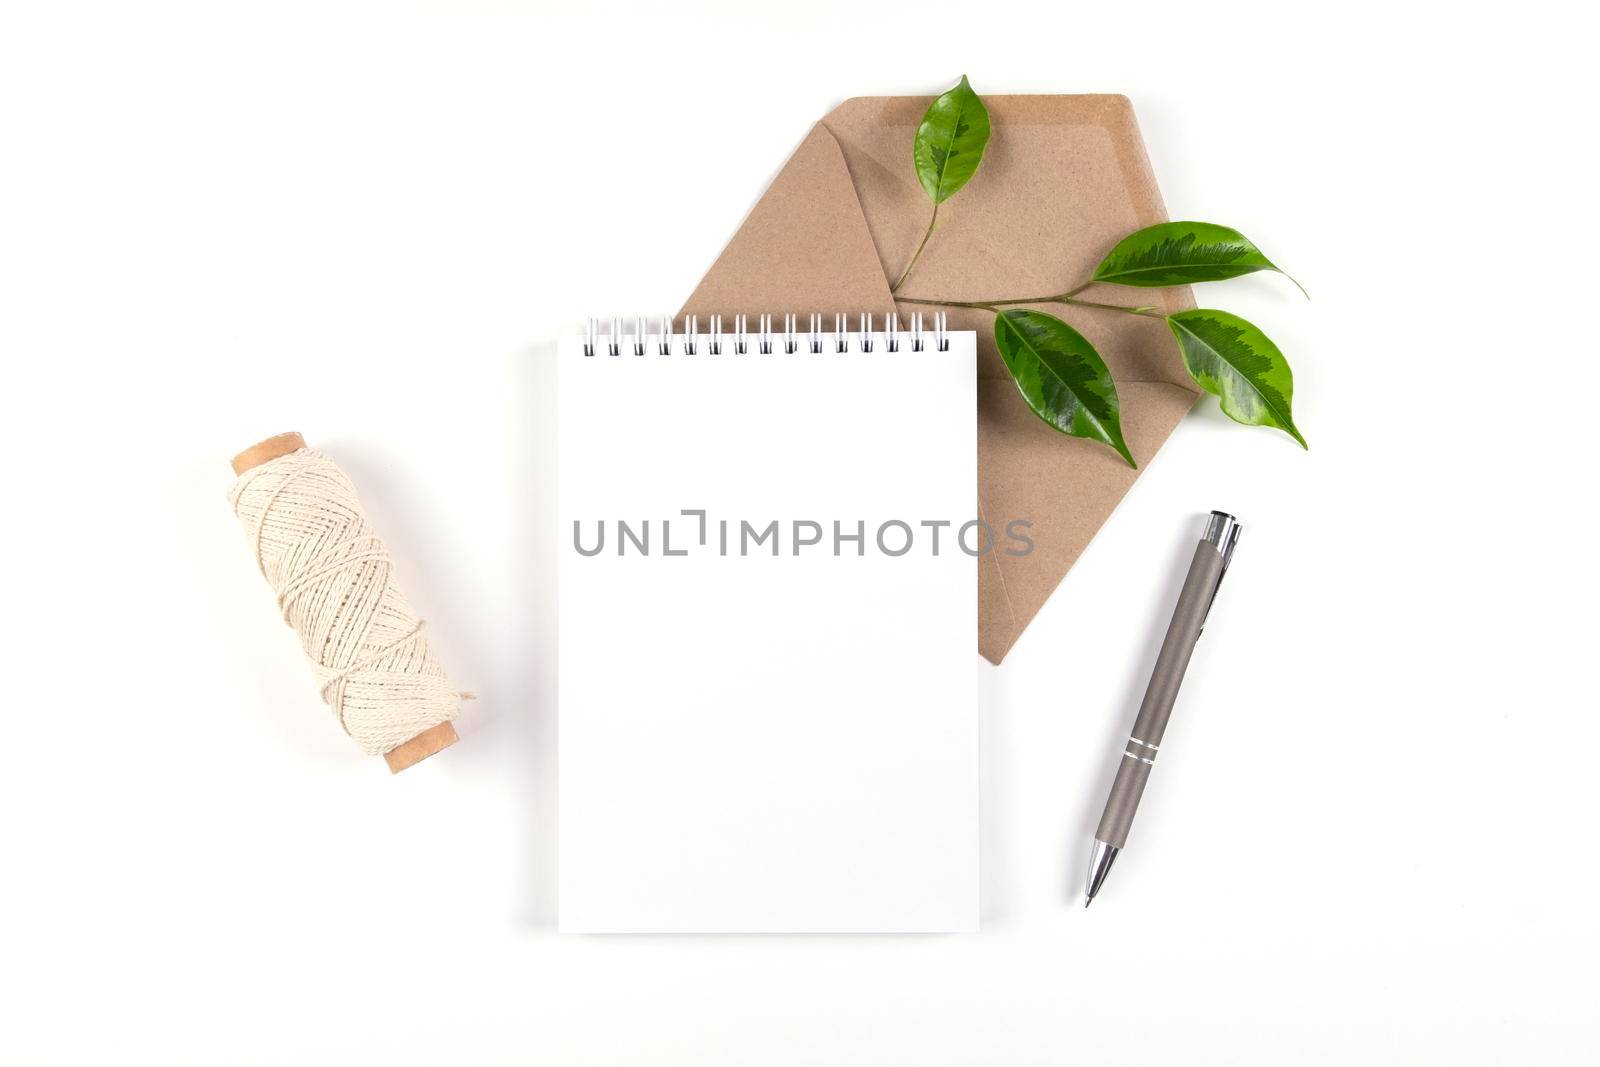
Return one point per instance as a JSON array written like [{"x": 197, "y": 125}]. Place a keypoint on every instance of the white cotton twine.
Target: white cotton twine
[{"x": 335, "y": 587}]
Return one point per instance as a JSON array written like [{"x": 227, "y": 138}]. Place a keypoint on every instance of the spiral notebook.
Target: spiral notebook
[{"x": 768, "y": 603}]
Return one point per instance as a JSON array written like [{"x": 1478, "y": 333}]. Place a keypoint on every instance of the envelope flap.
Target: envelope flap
[
  {"x": 804, "y": 247},
  {"x": 1065, "y": 489},
  {"x": 1064, "y": 178}
]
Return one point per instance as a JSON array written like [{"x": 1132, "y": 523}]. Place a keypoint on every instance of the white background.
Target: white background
[{"x": 1370, "y": 838}]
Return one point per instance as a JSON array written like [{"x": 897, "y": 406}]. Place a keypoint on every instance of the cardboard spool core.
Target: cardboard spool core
[{"x": 429, "y": 741}]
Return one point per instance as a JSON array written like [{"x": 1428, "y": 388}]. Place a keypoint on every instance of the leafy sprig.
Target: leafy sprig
[{"x": 1058, "y": 372}]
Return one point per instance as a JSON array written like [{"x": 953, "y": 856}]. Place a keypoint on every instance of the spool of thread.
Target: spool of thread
[{"x": 336, "y": 590}]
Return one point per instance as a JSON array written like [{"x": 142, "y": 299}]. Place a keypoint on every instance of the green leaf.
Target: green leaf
[
  {"x": 1233, "y": 359},
  {"x": 1178, "y": 253},
  {"x": 950, "y": 142},
  {"x": 1061, "y": 376}
]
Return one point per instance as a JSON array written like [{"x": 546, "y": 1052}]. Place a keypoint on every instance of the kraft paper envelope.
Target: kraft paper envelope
[{"x": 1064, "y": 178}]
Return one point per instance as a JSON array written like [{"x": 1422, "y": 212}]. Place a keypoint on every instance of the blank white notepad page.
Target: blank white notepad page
[{"x": 768, "y": 722}]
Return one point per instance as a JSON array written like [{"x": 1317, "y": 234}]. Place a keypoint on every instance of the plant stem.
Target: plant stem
[
  {"x": 1059, "y": 298},
  {"x": 956, "y": 303},
  {"x": 1146, "y": 311},
  {"x": 895, "y": 288}
]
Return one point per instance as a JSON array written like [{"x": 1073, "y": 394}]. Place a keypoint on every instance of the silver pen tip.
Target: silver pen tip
[{"x": 1101, "y": 857}]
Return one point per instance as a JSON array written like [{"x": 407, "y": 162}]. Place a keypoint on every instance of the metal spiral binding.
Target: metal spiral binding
[{"x": 639, "y": 339}]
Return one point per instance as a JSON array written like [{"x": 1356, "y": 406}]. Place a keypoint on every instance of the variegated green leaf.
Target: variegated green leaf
[
  {"x": 1178, "y": 253},
  {"x": 950, "y": 142},
  {"x": 1233, "y": 359},
  {"x": 1061, "y": 376}
]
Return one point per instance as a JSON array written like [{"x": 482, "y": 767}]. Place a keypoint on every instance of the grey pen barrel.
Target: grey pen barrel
[{"x": 1139, "y": 756}]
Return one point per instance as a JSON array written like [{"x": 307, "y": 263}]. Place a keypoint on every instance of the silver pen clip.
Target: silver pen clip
[{"x": 1222, "y": 533}]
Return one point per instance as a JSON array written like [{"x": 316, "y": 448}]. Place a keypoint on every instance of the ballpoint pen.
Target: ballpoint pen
[{"x": 1210, "y": 563}]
